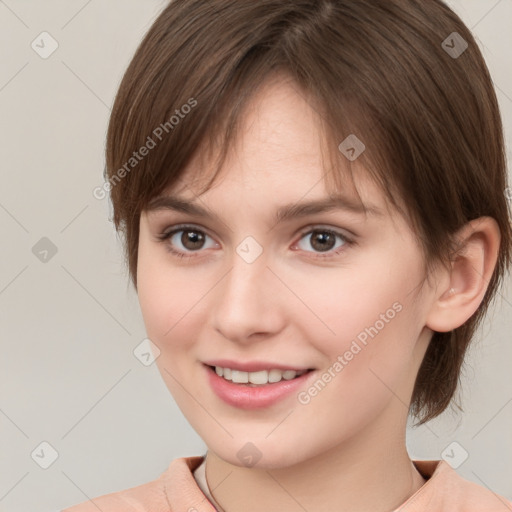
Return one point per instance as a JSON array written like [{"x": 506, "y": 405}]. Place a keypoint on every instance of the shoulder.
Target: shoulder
[
  {"x": 446, "y": 490},
  {"x": 148, "y": 497}
]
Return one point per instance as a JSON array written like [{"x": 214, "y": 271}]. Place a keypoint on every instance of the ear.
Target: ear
[{"x": 463, "y": 287}]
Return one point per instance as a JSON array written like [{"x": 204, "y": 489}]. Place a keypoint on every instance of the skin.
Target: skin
[{"x": 292, "y": 305}]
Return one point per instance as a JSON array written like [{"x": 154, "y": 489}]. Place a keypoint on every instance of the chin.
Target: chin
[{"x": 259, "y": 454}]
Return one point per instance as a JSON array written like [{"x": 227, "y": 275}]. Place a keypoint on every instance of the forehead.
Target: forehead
[{"x": 281, "y": 145}]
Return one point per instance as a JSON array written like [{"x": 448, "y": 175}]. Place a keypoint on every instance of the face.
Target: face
[{"x": 329, "y": 290}]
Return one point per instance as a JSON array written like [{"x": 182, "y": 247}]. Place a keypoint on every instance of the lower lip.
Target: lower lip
[{"x": 247, "y": 397}]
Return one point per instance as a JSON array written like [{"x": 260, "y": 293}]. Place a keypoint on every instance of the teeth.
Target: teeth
[
  {"x": 275, "y": 375},
  {"x": 240, "y": 377},
  {"x": 257, "y": 378}
]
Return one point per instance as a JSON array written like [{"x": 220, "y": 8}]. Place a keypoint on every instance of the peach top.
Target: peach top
[{"x": 178, "y": 489}]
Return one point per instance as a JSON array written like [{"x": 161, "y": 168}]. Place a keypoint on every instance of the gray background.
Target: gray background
[{"x": 69, "y": 325}]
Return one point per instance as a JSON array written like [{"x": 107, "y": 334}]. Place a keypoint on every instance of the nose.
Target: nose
[{"x": 248, "y": 301}]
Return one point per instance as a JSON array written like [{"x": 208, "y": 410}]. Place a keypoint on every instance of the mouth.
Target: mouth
[
  {"x": 256, "y": 389},
  {"x": 259, "y": 378}
]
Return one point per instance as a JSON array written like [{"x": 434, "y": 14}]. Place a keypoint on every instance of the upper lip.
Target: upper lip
[{"x": 252, "y": 366}]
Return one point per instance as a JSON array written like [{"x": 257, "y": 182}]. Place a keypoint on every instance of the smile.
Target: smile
[
  {"x": 256, "y": 389},
  {"x": 258, "y": 378}
]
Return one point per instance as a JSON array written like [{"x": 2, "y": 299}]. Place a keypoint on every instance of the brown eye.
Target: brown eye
[
  {"x": 322, "y": 240},
  {"x": 192, "y": 240},
  {"x": 186, "y": 241}
]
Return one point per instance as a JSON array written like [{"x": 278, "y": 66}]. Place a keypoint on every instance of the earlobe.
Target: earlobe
[{"x": 471, "y": 269}]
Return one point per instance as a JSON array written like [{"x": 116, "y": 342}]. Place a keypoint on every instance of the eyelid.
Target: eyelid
[
  {"x": 345, "y": 233},
  {"x": 168, "y": 233},
  {"x": 179, "y": 227}
]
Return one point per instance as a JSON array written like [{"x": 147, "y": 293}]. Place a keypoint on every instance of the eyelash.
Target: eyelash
[{"x": 166, "y": 235}]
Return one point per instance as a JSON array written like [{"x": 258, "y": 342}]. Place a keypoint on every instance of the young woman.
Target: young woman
[{"x": 312, "y": 198}]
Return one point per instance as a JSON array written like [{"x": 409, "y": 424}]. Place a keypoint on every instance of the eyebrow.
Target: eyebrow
[{"x": 284, "y": 213}]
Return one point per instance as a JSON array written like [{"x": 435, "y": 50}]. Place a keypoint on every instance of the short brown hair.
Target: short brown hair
[{"x": 375, "y": 68}]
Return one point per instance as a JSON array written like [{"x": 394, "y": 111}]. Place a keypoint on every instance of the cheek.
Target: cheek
[
  {"x": 365, "y": 320},
  {"x": 345, "y": 305},
  {"x": 168, "y": 298}
]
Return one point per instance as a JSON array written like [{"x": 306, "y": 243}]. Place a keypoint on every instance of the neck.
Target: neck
[{"x": 370, "y": 472}]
